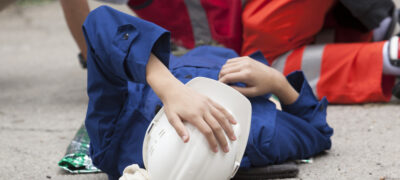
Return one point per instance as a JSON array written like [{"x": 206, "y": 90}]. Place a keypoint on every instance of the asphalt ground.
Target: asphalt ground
[{"x": 43, "y": 102}]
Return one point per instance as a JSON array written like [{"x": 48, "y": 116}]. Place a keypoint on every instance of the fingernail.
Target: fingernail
[
  {"x": 215, "y": 149},
  {"x": 233, "y": 137},
  {"x": 233, "y": 121},
  {"x": 184, "y": 138},
  {"x": 226, "y": 149}
]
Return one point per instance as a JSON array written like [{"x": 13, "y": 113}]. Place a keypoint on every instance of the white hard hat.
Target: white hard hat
[{"x": 167, "y": 157}]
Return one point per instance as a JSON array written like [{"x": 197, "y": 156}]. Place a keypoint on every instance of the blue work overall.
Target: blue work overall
[{"x": 122, "y": 104}]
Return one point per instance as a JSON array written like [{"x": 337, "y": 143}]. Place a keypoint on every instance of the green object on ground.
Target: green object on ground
[
  {"x": 33, "y": 2},
  {"x": 77, "y": 159},
  {"x": 275, "y": 97}
]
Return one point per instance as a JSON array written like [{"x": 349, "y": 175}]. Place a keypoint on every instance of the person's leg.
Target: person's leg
[
  {"x": 391, "y": 62},
  {"x": 391, "y": 59},
  {"x": 344, "y": 73},
  {"x": 275, "y": 27},
  {"x": 75, "y": 12},
  {"x": 5, "y": 3}
]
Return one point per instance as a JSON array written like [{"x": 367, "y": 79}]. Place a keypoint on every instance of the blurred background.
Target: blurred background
[{"x": 43, "y": 103}]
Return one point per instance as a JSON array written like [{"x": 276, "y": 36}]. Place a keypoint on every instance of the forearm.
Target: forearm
[
  {"x": 75, "y": 12},
  {"x": 160, "y": 78}
]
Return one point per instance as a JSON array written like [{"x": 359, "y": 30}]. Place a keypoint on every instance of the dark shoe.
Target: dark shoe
[
  {"x": 396, "y": 90},
  {"x": 82, "y": 61},
  {"x": 286, "y": 170}
]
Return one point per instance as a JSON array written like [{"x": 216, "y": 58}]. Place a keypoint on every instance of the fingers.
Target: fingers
[
  {"x": 241, "y": 76},
  {"x": 229, "y": 68},
  {"x": 223, "y": 111},
  {"x": 224, "y": 123},
  {"x": 246, "y": 91},
  {"x": 210, "y": 118},
  {"x": 237, "y": 70},
  {"x": 206, "y": 130},
  {"x": 228, "y": 65},
  {"x": 178, "y": 125},
  {"x": 219, "y": 120},
  {"x": 208, "y": 126},
  {"x": 236, "y": 59},
  {"x": 218, "y": 131}
]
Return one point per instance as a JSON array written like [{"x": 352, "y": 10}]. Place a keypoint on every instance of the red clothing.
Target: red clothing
[
  {"x": 283, "y": 31},
  {"x": 195, "y": 22},
  {"x": 348, "y": 72},
  {"x": 344, "y": 73},
  {"x": 276, "y": 27}
]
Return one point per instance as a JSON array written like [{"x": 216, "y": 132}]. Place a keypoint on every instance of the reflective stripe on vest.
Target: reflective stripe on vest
[
  {"x": 310, "y": 64},
  {"x": 199, "y": 22},
  {"x": 196, "y": 22},
  {"x": 280, "y": 62}
]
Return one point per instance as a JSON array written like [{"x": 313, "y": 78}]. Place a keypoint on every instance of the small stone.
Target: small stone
[{"x": 48, "y": 177}]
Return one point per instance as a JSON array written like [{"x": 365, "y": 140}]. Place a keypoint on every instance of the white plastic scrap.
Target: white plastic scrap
[{"x": 134, "y": 172}]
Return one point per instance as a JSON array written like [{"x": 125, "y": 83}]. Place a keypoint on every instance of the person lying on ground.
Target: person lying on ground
[{"x": 131, "y": 74}]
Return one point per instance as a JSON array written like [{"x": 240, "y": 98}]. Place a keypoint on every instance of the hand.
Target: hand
[
  {"x": 184, "y": 104},
  {"x": 211, "y": 119},
  {"x": 259, "y": 78}
]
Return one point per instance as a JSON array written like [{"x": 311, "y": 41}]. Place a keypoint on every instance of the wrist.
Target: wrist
[
  {"x": 164, "y": 86},
  {"x": 279, "y": 83},
  {"x": 170, "y": 89},
  {"x": 285, "y": 92}
]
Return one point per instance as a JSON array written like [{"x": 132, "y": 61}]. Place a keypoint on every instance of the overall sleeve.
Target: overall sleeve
[
  {"x": 119, "y": 47},
  {"x": 307, "y": 107},
  {"x": 122, "y": 43},
  {"x": 298, "y": 131}
]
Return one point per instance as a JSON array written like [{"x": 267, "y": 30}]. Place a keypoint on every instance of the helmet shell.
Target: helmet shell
[{"x": 167, "y": 157}]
